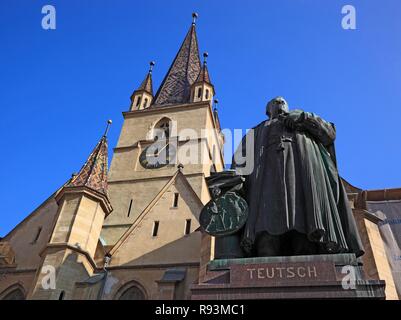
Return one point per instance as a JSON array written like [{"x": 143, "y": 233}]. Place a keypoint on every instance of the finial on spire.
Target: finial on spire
[
  {"x": 205, "y": 55},
  {"x": 109, "y": 122},
  {"x": 151, "y": 65},
  {"x": 194, "y": 17},
  {"x": 216, "y": 102}
]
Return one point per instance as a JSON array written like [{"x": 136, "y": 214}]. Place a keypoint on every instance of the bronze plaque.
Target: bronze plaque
[{"x": 224, "y": 215}]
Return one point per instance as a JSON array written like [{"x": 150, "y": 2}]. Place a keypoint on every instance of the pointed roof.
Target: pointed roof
[
  {"x": 147, "y": 83},
  {"x": 204, "y": 73},
  {"x": 183, "y": 72},
  {"x": 93, "y": 173}
]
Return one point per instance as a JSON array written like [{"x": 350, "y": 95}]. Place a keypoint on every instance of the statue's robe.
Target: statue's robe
[{"x": 294, "y": 184}]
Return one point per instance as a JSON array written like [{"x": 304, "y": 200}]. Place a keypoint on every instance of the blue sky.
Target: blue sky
[{"x": 58, "y": 87}]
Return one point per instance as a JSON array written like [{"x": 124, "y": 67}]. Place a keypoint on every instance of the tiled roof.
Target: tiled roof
[
  {"x": 93, "y": 174},
  {"x": 183, "y": 72},
  {"x": 146, "y": 84},
  {"x": 204, "y": 75}
]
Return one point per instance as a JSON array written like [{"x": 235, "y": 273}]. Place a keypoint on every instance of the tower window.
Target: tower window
[
  {"x": 187, "y": 226},
  {"x": 207, "y": 94},
  {"x": 175, "y": 201},
  {"x": 162, "y": 129},
  {"x": 145, "y": 103},
  {"x": 199, "y": 92},
  {"x": 37, "y": 235},
  {"x": 155, "y": 228},
  {"x": 138, "y": 102},
  {"x": 129, "y": 208}
]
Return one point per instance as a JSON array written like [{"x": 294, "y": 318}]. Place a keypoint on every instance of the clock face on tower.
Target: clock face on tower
[{"x": 158, "y": 155}]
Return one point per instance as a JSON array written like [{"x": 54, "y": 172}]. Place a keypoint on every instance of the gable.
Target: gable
[{"x": 171, "y": 244}]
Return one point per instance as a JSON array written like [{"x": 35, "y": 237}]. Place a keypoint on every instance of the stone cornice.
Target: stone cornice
[
  {"x": 167, "y": 177},
  {"x": 93, "y": 194},
  {"x": 155, "y": 266},
  {"x": 163, "y": 109}
]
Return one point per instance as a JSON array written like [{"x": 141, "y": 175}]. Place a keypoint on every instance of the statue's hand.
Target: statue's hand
[
  {"x": 293, "y": 120},
  {"x": 290, "y": 123}
]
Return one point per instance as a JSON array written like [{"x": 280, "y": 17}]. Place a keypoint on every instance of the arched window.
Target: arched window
[
  {"x": 199, "y": 92},
  {"x": 15, "y": 292},
  {"x": 207, "y": 94},
  {"x": 138, "y": 101},
  {"x": 145, "y": 103},
  {"x": 132, "y": 293},
  {"x": 162, "y": 129}
]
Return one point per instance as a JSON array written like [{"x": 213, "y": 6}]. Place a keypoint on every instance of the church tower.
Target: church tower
[
  {"x": 83, "y": 204},
  {"x": 157, "y": 204}
]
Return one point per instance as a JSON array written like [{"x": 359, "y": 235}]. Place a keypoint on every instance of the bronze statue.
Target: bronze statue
[{"x": 297, "y": 204}]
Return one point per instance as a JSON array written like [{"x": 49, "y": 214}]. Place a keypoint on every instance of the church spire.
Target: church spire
[
  {"x": 183, "y": 72},
  {"x": 143, "y": 96},
  {"x": 93, "y": 173},
  {"x": 204, "y": 73},
  {"x": 202, "y": 89}
]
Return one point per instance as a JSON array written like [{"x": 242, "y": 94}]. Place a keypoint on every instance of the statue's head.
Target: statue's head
[{"x": 276, "y": 106}]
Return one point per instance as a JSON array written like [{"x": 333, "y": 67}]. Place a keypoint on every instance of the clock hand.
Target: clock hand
[{"x": 162, "y": 149}]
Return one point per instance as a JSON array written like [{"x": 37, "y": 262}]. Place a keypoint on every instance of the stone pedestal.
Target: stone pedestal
[{"x": 337, "y": 276}]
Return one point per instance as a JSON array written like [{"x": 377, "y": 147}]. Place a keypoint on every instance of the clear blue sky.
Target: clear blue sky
[{"x": 58, "y": 87}]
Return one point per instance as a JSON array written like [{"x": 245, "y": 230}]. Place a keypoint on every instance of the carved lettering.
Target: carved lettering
[
  {"x": 251, "y": 272},
  {"x": 269, "y": 273},
  {"x": 290, "y": 272},
  {"x": 312, "y": 270}
]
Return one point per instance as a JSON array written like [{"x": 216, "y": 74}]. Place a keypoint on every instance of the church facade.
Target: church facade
[{"x": 132, "y": 232}]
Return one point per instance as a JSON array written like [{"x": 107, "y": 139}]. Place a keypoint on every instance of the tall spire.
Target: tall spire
[
  {"x": 183, "y": 72},
  {"x": 93, "y": 173}
]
